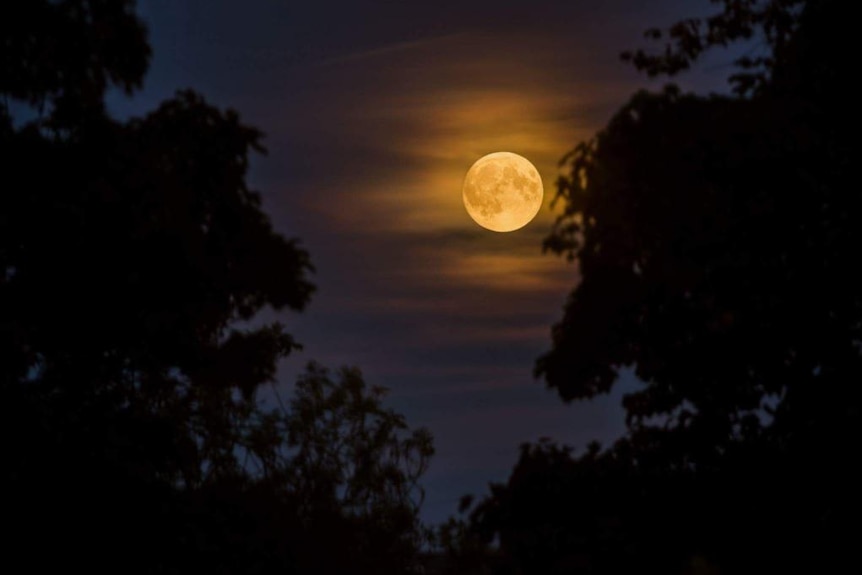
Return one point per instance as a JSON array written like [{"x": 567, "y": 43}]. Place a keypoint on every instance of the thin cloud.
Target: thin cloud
[{"x": 385, "y": 50}]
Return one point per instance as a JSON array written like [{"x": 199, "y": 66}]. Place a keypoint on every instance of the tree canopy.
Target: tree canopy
[
  {"x": 134, "y": 262},
  {"x": 715, "y": 243}
]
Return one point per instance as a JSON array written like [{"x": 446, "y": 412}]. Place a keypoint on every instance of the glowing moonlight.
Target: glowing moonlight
[{"x": 502, "y": 191}]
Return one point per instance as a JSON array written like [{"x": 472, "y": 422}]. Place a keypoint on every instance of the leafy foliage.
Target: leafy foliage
[
  {"x": 715, "y": 241},
  {"x": 348, "y": 453},
  {"x": 713, "y": 238},
  {"x": 64, "y": 55},
  {"x": 768, "y": 24},
  {"x": 134, "y": 262}
]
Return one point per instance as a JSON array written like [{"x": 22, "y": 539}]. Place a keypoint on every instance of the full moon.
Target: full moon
[{"x": 502, "y": 191}]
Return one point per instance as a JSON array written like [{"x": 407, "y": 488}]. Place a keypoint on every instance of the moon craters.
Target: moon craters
[{"x": 502, "y": 191}]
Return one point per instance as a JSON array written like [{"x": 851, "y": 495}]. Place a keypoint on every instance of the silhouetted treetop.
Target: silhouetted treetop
[
  {"x": 65, "y": 54},
  {"x": 716, "y": 246},
  {"x": 135, "y": 262},
  {"x": 714, "y": 242},
  {"x": 153, "y": 234},
  {"x": 130, "y": 250},
  {"x": 769, "y": 25}
]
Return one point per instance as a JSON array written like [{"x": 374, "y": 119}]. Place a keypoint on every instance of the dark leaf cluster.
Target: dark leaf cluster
[
  {"x": 716, "y": 241},
  {"x": 136, "y": 267}
]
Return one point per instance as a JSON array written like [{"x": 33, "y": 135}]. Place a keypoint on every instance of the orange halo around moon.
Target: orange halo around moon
[{"x": 502, "y": 191}]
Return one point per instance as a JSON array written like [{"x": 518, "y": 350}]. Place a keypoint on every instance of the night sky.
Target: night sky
[{"x": 373, "y": 113}]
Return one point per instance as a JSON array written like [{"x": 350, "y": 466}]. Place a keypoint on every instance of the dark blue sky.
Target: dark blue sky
[{"x": 373, "y": 112}]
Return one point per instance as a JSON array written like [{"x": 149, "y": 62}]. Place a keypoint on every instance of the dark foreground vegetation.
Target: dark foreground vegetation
[
  {"x": 717, "y": 239},
  {"x": 133, "y": 428}
]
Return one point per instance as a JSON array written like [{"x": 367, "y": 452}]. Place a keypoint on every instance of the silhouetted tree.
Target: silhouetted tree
[
  {"x": 715, "y": 239},
  {"x": 344, "y": 452},
  {"x": 134, "y": 260}
]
